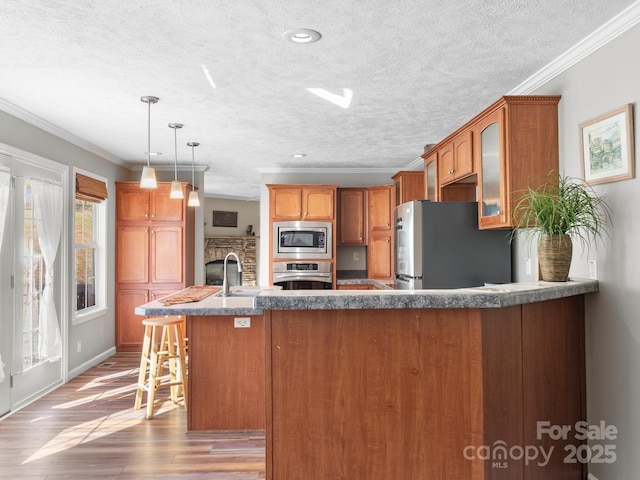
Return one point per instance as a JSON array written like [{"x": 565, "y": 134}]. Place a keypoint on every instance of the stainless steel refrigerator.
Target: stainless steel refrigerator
[{"x": 438, "y": 245}]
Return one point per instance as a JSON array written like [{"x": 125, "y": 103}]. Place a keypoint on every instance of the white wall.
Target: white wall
[
  {"x": 603, "y": 81},
  {"x": 97, "y": 335}
]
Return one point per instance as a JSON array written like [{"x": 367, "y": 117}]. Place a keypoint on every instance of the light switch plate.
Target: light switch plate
[{"x": 593, "y": 270}]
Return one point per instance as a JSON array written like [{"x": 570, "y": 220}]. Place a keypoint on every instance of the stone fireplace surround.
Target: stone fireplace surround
[{"x": 217, "y": 247}]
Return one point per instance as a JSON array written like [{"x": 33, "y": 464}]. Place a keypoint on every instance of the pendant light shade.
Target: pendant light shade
[
  {"x": 176, "y": 186},
  {"x": 148, "y": 178},
  {"x": 194, "y": 198}
]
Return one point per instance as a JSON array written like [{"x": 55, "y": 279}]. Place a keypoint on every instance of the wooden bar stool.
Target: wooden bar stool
[{"x": 163, "y": 360}]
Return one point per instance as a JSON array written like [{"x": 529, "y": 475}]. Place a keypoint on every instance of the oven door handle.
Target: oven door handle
[{"x": 302, "y": 276}]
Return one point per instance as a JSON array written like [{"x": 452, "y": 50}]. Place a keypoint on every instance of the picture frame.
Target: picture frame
[
  {"x": 607, "y": 147},
  {"x": 225, "y": 219}
]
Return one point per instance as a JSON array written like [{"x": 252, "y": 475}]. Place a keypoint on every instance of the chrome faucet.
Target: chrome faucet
[{"x": 225, "y": 280}]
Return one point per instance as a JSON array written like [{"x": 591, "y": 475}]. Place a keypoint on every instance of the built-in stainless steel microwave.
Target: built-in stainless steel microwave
[{"x": 302, "y": 240}]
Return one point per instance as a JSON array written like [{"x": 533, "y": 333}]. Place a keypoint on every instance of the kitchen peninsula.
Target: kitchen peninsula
[{"x": 381, "y": 384}]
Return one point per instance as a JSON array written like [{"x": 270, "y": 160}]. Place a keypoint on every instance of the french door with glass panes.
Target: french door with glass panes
[{"x": 28, "y": 372}]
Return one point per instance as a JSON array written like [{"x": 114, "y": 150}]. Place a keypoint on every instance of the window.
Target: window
[
  {"x": 89, "y": 246},
  {"x": 86, "y": 249}
]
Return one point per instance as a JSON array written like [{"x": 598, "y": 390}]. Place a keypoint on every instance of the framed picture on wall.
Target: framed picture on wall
[
  {"x": 225, "y": 219},
  {"x": 606, "y": 146}
]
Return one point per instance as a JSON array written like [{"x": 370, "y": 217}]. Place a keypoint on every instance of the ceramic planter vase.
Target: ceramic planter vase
[{"x": 554, "y": 256}]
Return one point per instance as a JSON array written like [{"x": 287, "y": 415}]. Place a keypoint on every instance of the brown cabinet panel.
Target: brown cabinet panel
[
  {"x": 380, "y": 211},
  {"x": 166, "y": 253},
  {"x": 406, "y": 393},
  {"x": 381, "y": 205},
  {"x": 286, "y": 203},
  {"x": 319, "y": 203},
  {"x": 455, "y": 159},
  {"x": 226, "y": 374},
  {"x": 352, "y": 208},
  {"x": 409, "y": 186},
  {"x": 129, "y": 328},
  {"x": 166, "y": 209},
  {"x": 132, "y": 203},
  {"x": 302, "y": 202},
  {"x": 380, "y": 256},
  {"x": 132, "y": 247}
]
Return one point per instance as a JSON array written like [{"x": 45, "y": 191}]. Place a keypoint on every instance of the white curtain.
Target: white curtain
[
  {"x": 5, "y": 186},
  {"x": 48, "y": 204}
]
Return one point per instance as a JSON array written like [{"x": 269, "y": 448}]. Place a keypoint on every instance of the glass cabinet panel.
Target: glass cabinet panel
[
  {"x": 431, "y": 181},
  {"x": 490, "y": 171}
]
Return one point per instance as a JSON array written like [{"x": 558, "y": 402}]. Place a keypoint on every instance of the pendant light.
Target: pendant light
[
  {"x": 176, "y": 186},
  {"x": 148, "y": 178},
  {"x": 194, "y": 199}
]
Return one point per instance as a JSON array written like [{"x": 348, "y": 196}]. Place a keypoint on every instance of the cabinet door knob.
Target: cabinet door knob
[{"x": 387, "y": 240}]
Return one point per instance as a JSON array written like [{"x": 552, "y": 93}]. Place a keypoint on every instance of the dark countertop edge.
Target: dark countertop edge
[
  {"x": 481, "y": 297},
  {"x": 185, "y": 309},
  {"x": 364, "y": 281}
]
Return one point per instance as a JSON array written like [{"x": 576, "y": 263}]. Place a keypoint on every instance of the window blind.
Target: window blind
[{"x": 89, "y": 189}]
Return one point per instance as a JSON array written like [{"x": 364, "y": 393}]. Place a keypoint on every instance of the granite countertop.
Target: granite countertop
[
  {"x": 365, "y": 281},
  {"x": 255, "y": 300}
]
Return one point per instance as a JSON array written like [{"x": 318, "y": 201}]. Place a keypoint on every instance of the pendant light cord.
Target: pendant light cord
[
  {"x": 149, "y": 135},
  {"x": 193, "y": 168}
]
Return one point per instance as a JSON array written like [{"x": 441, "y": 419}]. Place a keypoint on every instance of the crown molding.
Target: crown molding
[
  {"x": 326, "y": 170},
  {"x": 615, "y": 27},
  {"x": 61, "y": 133},
  {"x": 167, "y": 168}
]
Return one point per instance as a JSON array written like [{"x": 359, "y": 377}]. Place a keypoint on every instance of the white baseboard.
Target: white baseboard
[
  {"x": 591, "y": 476},
  {"x": 91, "y": 363}
]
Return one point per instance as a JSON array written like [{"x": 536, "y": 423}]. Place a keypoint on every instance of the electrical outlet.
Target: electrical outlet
[
  {"x": 527, "y": 266},
  {"x": 242, "y": 322},
  {"x": 356, "y": 256},
  {"x": 593, "y": 270},
  {"x": 79, "y": 346}
]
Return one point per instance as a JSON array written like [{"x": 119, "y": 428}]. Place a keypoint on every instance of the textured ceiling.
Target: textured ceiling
[{"x": 418, "y": 69}]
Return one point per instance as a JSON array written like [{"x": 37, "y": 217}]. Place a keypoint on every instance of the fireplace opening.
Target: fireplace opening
[{"x": 214, "y": 273}]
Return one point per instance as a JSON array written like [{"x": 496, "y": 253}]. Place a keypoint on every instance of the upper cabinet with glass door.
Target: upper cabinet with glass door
[{"x": 516, "y": 147}]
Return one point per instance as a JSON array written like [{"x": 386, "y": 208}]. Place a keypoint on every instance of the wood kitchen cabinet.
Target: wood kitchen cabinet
[
  {"x": 455, "y": 158},
  {"x": 409, "y": 186},
  {"x": 381, "y": 232},
  {"x": 302, "y": 202},
  {"x": 509, "y": 146},
  {"x": 516, "y": 148},
  {"x": 431, "y": 183},
  {"x": 154, "y": 253},
  {"x": 352, "y": 216}
]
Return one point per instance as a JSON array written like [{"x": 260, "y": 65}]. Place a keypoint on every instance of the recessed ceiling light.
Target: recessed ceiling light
[
  {"x": 298, "y": 155},
  {"x": 302, "y": 35}
]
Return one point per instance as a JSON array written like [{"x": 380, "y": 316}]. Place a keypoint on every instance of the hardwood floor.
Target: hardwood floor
[{"x": 89, "y": 429}]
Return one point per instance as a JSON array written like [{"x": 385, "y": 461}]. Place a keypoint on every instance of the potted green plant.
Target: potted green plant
[{"x": 557, "y": 210}]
